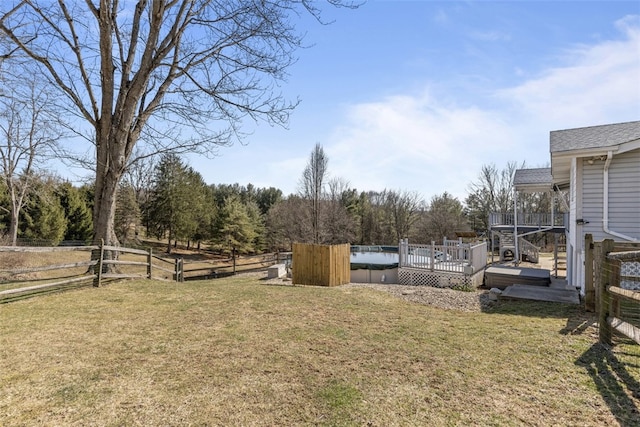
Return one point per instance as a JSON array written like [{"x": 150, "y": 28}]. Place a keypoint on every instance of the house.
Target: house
[{"x": 599, "y": 167}]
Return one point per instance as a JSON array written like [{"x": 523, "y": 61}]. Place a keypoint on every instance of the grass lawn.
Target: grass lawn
[{"x": 238, "y": 352}]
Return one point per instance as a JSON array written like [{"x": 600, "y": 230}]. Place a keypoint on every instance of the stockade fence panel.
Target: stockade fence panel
[{"x": 321, "y": 265}]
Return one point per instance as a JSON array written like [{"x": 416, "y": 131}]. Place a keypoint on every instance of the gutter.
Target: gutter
[{"x": 605, "y": 202}]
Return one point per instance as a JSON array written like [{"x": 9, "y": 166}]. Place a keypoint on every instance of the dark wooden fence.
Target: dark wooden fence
[
  {"x": 595, "y": 256},
  {"x": 612, "y": 294}
]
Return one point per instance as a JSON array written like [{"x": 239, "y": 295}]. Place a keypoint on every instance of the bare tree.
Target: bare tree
[
  {"x": 312, "y": 186},
  {"x": 28, "y": 134},
  {"x": 339, "y": 223},
  {"x": 493, "y": 192},
  {"x": 403, "y": 208},
  {"x": 139, "y": 176},
  {"x": 288, "y": 222},
  {"x": 171, "y": 74}
]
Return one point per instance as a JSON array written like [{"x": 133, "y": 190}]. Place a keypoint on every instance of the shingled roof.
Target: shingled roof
[
  {"x": 594, "y": 136},
  {"x": 538, "y": 179}
]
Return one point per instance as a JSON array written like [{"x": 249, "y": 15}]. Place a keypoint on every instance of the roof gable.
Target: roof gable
[
  {"x": 594, "y": 137},
  {"x": 533, "y": 180}
]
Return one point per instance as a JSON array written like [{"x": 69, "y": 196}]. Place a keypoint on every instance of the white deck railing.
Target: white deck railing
[
  {"x": 528, "y": 219},
  {"x": 451, "y": 256}
]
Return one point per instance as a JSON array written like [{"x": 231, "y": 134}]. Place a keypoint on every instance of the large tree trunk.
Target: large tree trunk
[
  {"x": 104, "y": 211},
  {"x": 13, "y": 226},
  {"x": 103, "y": 219},
  {"x": 110, "y": 157}
]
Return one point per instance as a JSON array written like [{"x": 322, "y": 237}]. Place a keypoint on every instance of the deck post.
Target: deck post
[{"x": 492, "y": 244}]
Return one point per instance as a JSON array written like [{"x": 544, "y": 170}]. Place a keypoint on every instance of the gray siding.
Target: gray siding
[{"x": 624, "y": 196}]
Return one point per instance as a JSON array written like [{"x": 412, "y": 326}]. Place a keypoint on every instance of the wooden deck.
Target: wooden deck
[
  {"x": 537, "y": 293},
  {"x": 502, "y": 277}
]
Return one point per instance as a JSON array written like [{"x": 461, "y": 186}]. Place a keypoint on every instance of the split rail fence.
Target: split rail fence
[
  {"x": 612, "y": 287},
  {"x": 26, "y": 271}
]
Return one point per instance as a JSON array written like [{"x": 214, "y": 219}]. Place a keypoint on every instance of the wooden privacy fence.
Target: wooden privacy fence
[
  {"x": 612, "y": 287},
  {"x": 321, "y": 265}
]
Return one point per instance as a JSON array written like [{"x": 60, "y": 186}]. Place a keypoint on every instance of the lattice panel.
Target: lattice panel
[
  {"x": 418, "y": 277},
  {"x": 630, "y": 269},
  {"x": 630, "y": 275}
]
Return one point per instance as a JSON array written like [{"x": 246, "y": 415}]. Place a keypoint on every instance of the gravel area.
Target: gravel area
[{"x": 448, "y": 299}]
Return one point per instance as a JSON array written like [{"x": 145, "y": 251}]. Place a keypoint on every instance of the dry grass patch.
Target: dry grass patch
[{"x": 238, "y": 352}]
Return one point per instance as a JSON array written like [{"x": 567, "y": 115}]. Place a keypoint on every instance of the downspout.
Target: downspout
[
  {"x": 516, "y": 256},
  {"x": 605, "y": 202}
]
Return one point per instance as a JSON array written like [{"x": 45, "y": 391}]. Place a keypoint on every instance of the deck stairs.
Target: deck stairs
[{"x": 528, "y": 251}]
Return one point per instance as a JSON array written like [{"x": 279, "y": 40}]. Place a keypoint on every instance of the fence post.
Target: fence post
[
  {"x": 233, "y": 255},
  {"x": 607, "y": 277},
  {"x": 98, "y": 281},
  {"x": 149, "y": 258},
  {"x": 589, "y": 290},
  {"x": 177, "y": 269},
  {"x": 614, "y": 301}
]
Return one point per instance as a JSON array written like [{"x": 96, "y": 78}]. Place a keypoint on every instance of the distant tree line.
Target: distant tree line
[{"x": 170, "y": 201}]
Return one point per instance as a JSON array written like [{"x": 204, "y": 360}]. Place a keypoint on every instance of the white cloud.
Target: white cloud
[
  {"x": 415, "y": 142},
  {"x": 595, "y": 85},
  {"x": 490, "y": 36}
]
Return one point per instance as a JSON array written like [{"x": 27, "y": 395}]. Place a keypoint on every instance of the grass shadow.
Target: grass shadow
[
  {"x": 541, "y": 309},
  {"x": 579, "y": 323},
  {"x": 613, "y": 380}
]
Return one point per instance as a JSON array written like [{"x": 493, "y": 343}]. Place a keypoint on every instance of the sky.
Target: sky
[{"x": 419, "y": 95}]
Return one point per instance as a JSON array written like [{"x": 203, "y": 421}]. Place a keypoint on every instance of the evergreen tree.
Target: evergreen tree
[
  {"x": 79, "y": 223},
  {"x": 257, "y": 222},
  {"x": 445, "y": 217},
  {"x": 177, "y": 200},
  {"x": 235, "y": 228},
  {"x": 267, "y": 197},
  {"x": 205, "y": 215},
  {"x": 127, "y": 214},
  {"x": 44, "y": 216}
]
